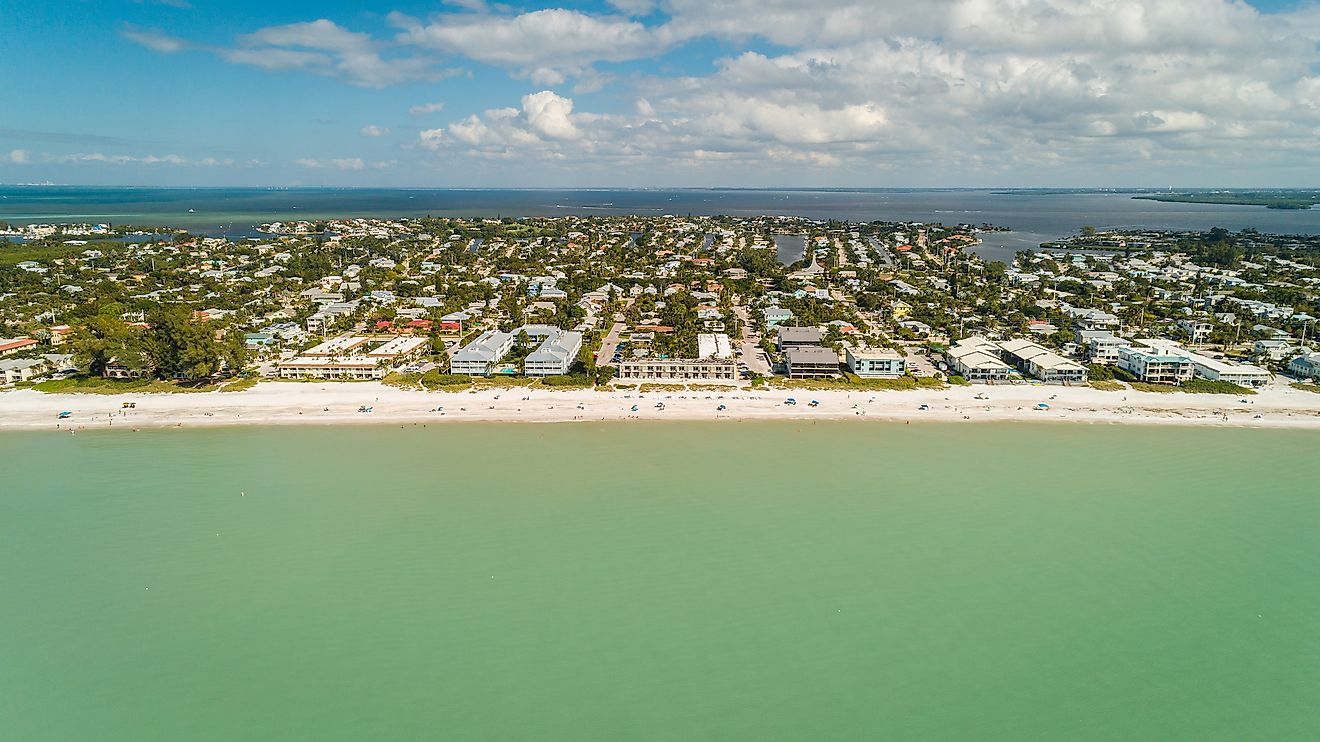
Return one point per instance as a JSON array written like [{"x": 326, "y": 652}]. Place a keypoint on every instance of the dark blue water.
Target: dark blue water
[{"x": 1034, "y": 217}]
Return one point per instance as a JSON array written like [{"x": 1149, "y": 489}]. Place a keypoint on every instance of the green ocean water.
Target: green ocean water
[{"x": 846, "y": 581}]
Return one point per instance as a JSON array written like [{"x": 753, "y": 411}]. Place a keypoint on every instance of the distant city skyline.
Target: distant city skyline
[{"x": 668, "y": 93}]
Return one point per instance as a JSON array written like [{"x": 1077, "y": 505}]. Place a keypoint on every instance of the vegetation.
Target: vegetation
[
  {"x": 1268, "y": 199},
  {"x": 242, "y": 385},
  {"x": 1107, "y": 385},
  {"x": 1206, "y": 386},
  {"x": 434, "y": 380},
  {"x": 98, "y": 385},
  {"x": 851, "y": 382},
  {"x": 1313, "y": 388}
]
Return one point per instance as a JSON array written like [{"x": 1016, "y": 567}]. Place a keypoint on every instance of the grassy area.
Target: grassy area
[
  {"x": 571, "y": 381},
  {"x": 434, "y": 380},
  {"x": 1195, "y": 386},
  {"x": 97, "y": 385},
  {"x": 1141, "y": 386},
  {"x": 849, "y": 382},
  {"x": 1313, "y": 388},
  {"x": 1107, "y": 385},
  {"x": 1205, "y": 386},
  {"x": 662, "y": 388},
  {"x": 241, "y": 385},
  {"x": 403, "y": 381}
]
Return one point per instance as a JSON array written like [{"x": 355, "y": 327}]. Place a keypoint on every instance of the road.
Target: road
[
  {"x": 882, "y": 252},
  {"x": 605, "y": 357},
  {"x": 749, "y": 347}
]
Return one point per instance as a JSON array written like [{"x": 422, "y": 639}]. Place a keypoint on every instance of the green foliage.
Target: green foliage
[
  {"x": 1100, "y": 372},
  {"x": 434, "y": 380},
  {"x": 241, "y": 385},
  {"x": 569, "y": 381},
  {"x": 1206, "y": 386},
  {"x": 98, "y": 385},
  {"x": 1107, "y": 385}
]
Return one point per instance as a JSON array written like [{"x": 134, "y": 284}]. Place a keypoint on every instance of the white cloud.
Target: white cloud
[
  {"x": 154, "y": 40},
  {"x": 422, "y": 109},
  {"x": 20, "y": 156},
  {"x": 322, "y": 47},
  {"x": 342, "y": 163},
  {"x": 99, "y": 157},
  {"x": 550, "y": 115},
  {"x": 541, "y": 41},
  {"x": 965, "y": 89},
  {"x": 371, "y": 130}
]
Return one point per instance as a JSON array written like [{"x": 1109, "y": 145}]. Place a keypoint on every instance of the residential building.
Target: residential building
[
  {"x": 1197, "y": 330},
  {"x": 1274, "y": 350},
  {"x": 876, "y": 363},
  {"x": 1100, "y": 346},
  {"x": 977, "y": 359},
  {"x": 1306, "y": 366},
  {"x": 479, "y": 357},
  {"x": 1043, "y": 363},
  {"x": 679, "y": 369},
  {"x": 799, "y": 337},
  {"x": 775, "y": 316},
  {"x": 1155, "y": 366},
  {"x": 16, "y": 371},
  {"x": 9, "y": 346},
  {"x": 356, "y": 368},
  {"x": 715, "y": 345},
  {"x": 811, "y": 362},
  {"x": 555, "y": 355}
]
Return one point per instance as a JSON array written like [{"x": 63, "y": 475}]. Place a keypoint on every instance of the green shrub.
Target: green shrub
[{"x": 433, "y": 380}]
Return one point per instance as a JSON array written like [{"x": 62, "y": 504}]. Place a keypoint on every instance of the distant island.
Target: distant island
[{"x": 1268, "y": 199}]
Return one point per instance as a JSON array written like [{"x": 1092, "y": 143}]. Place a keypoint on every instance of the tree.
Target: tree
[{"x": 103, "y": 339}]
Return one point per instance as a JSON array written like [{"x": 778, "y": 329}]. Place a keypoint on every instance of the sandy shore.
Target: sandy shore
[{"x": 319, "y": 404}]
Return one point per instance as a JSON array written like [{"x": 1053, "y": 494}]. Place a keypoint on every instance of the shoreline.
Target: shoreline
[{"x": 337, "y": 404}]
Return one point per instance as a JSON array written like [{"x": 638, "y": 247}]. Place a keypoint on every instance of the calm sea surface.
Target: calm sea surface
[
  {"x": 661, "y": 582},
  {"x": 1033, "y": 216}
]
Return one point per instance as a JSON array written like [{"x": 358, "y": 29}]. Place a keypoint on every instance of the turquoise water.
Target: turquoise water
[{"x": 661, "y": 582}]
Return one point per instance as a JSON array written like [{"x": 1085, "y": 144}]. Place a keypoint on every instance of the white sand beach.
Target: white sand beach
[{"x": 339, "y": 403}]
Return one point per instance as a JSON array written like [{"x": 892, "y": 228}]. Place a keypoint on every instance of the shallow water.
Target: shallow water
[{"x": 782, "y": 581}]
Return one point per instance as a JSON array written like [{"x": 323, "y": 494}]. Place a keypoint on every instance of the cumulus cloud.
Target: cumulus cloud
[
  {"x": 371, "y": 130},
  {"x": 973, "y": 89},
  {"x": 19, "y": 156}
]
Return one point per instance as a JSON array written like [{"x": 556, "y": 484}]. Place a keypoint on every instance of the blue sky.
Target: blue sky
[{"x": 644, "y": 93}]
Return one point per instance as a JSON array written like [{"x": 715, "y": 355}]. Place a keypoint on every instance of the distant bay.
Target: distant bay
[{"x": 1034, "y": 216}]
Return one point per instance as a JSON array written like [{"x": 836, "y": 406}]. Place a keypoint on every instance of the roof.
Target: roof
[
  {"x": 811, "y": 354},
  {"x": 486, "y": 348},
  {"x": 800, "y": 335}
]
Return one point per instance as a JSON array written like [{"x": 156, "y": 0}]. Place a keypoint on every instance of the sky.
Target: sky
[{"x": 662, "y": 93}]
